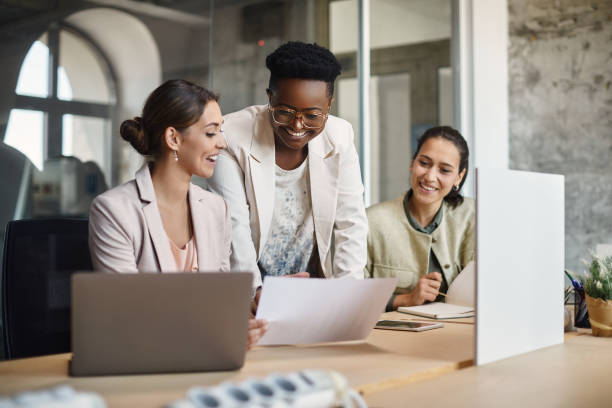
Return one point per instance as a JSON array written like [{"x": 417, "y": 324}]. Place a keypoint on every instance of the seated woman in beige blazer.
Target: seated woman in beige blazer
[
  {"x": 160, "y": 222},
  {"x": 291, "y": 174},
  {"x": 426, "y": 236}
]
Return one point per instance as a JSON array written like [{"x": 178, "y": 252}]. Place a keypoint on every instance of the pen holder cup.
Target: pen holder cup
[{"x": 581, "y": 314}]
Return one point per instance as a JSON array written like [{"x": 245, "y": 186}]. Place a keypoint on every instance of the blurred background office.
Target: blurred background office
[{"x": 535, "y": 96}]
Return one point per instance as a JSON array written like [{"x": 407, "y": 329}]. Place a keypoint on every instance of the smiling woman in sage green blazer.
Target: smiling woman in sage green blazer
[{"x": 426, "y": 236}]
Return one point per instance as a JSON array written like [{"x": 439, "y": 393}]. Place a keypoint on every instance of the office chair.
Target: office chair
[
  {"x": 15, "y": 195},
  {"x": 15, "y": 202},
  {"x": 40, "y": 255}
]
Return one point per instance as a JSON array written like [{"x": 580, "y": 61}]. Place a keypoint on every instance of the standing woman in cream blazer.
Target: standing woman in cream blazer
[
  {"x": 426, "y": 236},
  {"x": 291, "y": 174},
  {"x": 160, "y": 222}
]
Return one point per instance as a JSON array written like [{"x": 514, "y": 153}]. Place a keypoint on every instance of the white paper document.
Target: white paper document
[
  {"x": 305, "y": 311},
  {"x": 461, "y": 291}
]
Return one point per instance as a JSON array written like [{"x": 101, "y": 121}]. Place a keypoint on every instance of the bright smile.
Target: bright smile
[
  {"x": 295, "y": 135},
  {"x": 212, "y": 159},
  {"x": 427, "y": 188}
]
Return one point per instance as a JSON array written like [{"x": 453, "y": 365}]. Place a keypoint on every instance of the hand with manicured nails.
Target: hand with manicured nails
[{"x": 427, "y": 289}]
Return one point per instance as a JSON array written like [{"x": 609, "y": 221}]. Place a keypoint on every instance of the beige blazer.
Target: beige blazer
[
  {"x": 245, "y": 177},
  {"x": 396, "y": 249},
  {"x": 126, "y": 233}
]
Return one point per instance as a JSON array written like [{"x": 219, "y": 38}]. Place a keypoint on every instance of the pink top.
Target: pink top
[{"x": 186, "y": 258}]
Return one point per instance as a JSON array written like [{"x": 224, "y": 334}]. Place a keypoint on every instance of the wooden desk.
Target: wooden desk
[
  {"x": 577, "y": 373},
  {"x": 387, "y": 359}
]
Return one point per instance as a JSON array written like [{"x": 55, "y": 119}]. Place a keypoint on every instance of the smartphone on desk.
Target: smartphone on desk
[{"x": 407, "y": 326}]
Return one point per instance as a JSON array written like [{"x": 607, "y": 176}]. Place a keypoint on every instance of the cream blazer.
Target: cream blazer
[
  {"x": 126, "y": 233},
  {"x": 396, "y": 249},
  {"x": 245, "y": 177}
]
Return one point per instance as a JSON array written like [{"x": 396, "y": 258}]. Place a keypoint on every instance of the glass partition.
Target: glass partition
[
  {"x": 411, "y": 86},
  {"x": 223, "y": 45},
  {"x": 72, "y": 85}
]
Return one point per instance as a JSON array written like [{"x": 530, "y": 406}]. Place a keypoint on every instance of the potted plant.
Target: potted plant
[{"x": 597, "y": 283}]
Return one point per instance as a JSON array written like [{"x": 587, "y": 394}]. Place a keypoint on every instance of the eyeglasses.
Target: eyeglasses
[{"x": 285, "y": 116}]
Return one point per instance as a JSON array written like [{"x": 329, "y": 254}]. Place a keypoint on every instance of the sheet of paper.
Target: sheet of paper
[
  {"x": 305, "y": 311},
  {"x": 461, "y": 291}
]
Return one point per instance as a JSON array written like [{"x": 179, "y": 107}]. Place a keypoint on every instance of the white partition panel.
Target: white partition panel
[{"x": 519, "y": 262}]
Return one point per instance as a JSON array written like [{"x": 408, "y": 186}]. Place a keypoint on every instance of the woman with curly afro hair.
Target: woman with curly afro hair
[{"x": 291, "y": 175}]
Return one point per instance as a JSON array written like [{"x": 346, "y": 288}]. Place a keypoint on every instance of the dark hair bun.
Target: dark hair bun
[
  {"x": 175, "y": 103},
  {"x": 132, "y": 131}
]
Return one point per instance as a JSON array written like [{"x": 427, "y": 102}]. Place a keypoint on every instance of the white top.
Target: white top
[{"x": 291, "y": 237}]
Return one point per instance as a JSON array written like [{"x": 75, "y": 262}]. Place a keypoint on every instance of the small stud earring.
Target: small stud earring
[
  {"x": 175, "y": 155},
  {"x": 455, "y": 188}
]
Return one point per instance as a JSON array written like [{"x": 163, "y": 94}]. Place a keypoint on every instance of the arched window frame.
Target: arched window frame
[{"x": 55, "y": 108}]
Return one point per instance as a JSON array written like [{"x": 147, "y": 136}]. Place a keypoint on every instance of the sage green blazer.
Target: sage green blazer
[{"x": 396, "y": 249}]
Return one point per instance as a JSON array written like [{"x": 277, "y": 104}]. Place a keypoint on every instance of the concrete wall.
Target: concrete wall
[{"x": 560, "y": 92}]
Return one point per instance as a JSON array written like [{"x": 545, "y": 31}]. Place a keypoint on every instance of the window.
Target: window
[{"x": 65, "y": 99}]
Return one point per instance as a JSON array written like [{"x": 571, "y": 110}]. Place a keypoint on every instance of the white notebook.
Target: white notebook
[
  {"x": 438, "y": 310},
  {"x": 460, "y": 299}
]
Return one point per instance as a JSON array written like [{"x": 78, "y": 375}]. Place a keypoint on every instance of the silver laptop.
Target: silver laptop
[{"x": 159, "y": 323}]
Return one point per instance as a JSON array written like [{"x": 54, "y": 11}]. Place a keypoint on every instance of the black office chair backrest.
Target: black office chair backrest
[{"x": 40, "y": 255}]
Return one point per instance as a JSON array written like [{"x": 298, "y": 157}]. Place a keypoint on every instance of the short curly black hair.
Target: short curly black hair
[{"x": 296, "y": 59}]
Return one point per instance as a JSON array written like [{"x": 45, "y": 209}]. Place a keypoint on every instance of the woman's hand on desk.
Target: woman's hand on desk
[
  {"x": 257, "y": 328},
  {"x": 426, "y": 290}
]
